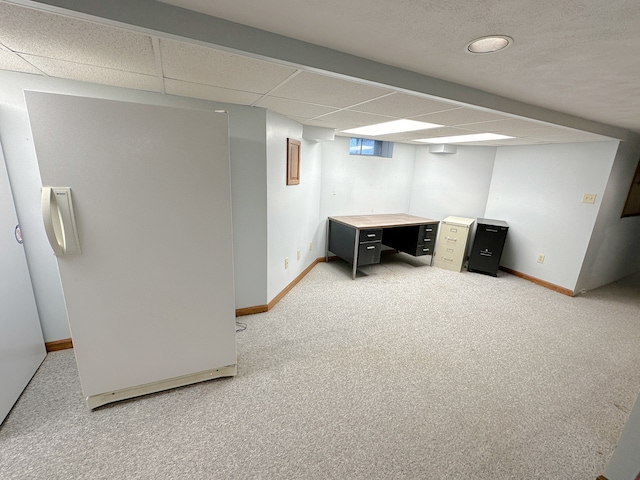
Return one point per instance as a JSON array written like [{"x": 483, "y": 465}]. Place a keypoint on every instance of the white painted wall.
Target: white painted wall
[
  {"x": 293, "y": 211},
  {"x": 538, "y": 190},
  {"x": 249, "y": 189},
  {"x": 357, "y": 185},
  {"x": 452, "y": 184},
  {"x": 613, "y": 248}
]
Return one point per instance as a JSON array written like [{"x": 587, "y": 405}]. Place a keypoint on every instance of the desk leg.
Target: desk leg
[
  {"x": 326, "y": 250},
  {"x": 356, "y": 244}
]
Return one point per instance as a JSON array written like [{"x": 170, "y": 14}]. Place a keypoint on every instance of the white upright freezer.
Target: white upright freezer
[
  {"x": 137, "y": 207},
  {"x": 22, "y": 347}
]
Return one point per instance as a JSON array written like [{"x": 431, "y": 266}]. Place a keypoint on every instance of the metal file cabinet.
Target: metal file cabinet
[
  {"x": 452, "y": 243},
  {"x": 487, "y": 247}
]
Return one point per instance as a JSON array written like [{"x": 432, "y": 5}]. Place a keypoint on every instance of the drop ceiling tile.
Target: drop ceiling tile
[
  {"x": 355, "y": 118},
  {"x": 92, "y": 74},
  {"x": 207, "y": 66},
  {"x": 293, "y": 108},
  {"x": 403, "y": 106},
  {"x": 325, "y": 90},
  {"x": 568, "y": 137},
  {"x": 461, "y": 116},
  {"x": 207, "y": 92},
  {"x": 443, "y": 132},
  {"x": 13, "y": 62},
  {"x": 514, "y": 141},
  {"x": 49, "y": 35},
  {"x": 532, "y": 132},
  {"x": 337, "y": 126},
  {"x": 505, "y": 126},
  {"x": 431, "y": 132}
]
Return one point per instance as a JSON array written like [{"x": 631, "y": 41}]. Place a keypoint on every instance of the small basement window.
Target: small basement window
[{"x": 370, "y": 148}]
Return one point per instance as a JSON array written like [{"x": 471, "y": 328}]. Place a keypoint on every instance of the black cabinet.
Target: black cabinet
[{"x": 487, "y": 246}]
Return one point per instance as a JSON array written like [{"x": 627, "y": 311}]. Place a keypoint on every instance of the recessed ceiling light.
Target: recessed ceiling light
[
  {"x": 475, "y": 137},
  {"x": 395, "y": 126},
  {"x": 489, "y": 44}
]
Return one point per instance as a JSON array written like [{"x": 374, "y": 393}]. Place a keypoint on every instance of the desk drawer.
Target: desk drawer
[
  {"x": 424, "y": 250},
  {"x": 428, "y": 232},
  {"x": 371, "y": 235},
  {"x": 369, "y": 253}
]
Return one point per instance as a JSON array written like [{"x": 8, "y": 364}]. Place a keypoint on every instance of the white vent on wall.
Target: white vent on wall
[{"x": 442, "y": 148}]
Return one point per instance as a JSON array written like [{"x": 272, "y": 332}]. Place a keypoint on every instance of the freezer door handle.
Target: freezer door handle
[{"x": 59, "y": 220}]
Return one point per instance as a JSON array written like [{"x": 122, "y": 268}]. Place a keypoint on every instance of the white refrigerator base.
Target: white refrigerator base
[{"x": 96, "y": 401}]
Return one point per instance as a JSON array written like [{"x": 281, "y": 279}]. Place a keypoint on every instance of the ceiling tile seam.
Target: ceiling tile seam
[
  {"x": 283, "y": 82},
  {"x": 209, "y": 85},
  {"x": 81, "y": 63},
  {"x": 31, "y": 64},
  {"x": 342, "y": 109},
  {"x": 370, "y": 100},
  {"x": 155, "y": 43}
]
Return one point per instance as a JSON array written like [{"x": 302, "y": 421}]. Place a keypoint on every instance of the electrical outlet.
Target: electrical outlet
[
  {"x": 310, "y": 246},
  {"x": 589, "y": 198},
  {"x": 540, "y": 258},
  {"x": 286, "y": 263},
  {"x": 298, "y": 254}
]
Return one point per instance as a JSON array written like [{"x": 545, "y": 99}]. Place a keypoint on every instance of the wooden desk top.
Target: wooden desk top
[{"x": 382, "y": 220}]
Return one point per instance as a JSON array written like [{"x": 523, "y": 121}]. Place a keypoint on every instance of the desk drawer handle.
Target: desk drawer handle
[
  {"x": 486, "y": 254},
  {"x": 427, "y": 240},
  {"x": 449, "y": 239},
  {"x": 447, "y": 259},
  {"x": 371, "y": 235},
  {"x": 371, "y": 247},
  {"x": 491, "y": 230}
]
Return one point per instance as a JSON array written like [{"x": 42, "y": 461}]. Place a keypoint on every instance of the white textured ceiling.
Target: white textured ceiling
[{"x": 575, "y": 57}]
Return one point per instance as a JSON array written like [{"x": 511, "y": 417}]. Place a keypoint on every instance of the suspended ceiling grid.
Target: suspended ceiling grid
[{"x": 44, "y": 43}]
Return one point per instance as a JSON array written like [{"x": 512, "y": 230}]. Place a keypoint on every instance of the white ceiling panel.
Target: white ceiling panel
[
  {"x": 197, "y": 64},
  {"x": 503, "y": 126},
  {"x": 92, "y": 74},
  {"x": 30, "y": 31},
  {"x": 324, "y": 90},
  {"x": 337, "y": 126},
  {"x": 403, "y": 106},
  {"x": 355, "y": 118},
  {"x": 293, "y": 108},
  {"x": 437, "y": 132},
  {"x": 13, "y": 62},
  {"x": 462, "y": 116},
  {"x": 207, "y": 92}
]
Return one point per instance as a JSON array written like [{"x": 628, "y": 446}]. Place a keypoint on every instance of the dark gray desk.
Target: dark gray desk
[{"x": 358, "y": 239}]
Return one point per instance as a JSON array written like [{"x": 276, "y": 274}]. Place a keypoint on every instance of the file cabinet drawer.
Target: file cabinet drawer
[{"x": 452, "y": 254}]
